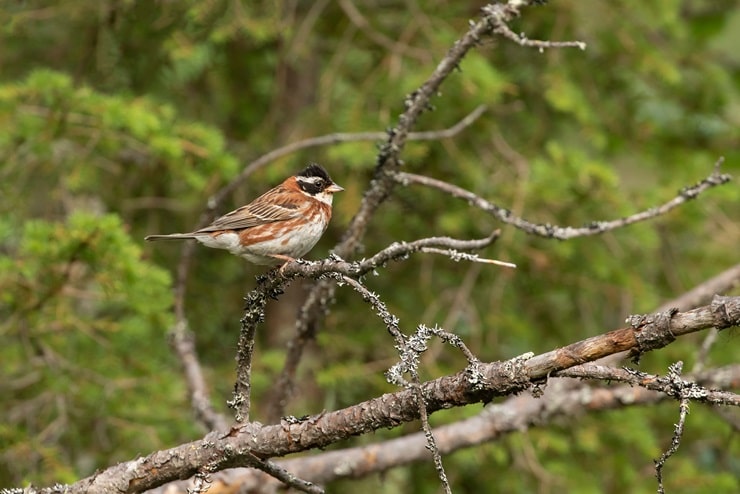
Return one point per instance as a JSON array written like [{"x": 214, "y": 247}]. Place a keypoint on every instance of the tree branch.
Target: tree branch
[
  {"x": 522, "y": 40},
  {"x": 516, "y": 414},
  {"x": 269, "y": 286},
  {"x": 669, "y": 385},
  {"x": 183, "y": 342},
  {"x": 684, "y": 395},
  {"x": 568, "y": 232},
  {"x": 480, "y": 383}
]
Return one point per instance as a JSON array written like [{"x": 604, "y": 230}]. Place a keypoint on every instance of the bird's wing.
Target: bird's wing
[{"x": 272, "y": 206}]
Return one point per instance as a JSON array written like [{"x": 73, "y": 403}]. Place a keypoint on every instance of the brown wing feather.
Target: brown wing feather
[{"x": 278, "y": 204}]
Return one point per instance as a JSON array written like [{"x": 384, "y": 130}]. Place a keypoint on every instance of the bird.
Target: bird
[{"x": 280, "y": 226}]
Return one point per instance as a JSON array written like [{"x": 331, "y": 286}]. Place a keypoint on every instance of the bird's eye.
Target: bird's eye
[{"x": 313, "y": 185}]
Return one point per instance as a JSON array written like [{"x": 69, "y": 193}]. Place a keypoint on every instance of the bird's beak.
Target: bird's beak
[{"x": 334, "y": 188}]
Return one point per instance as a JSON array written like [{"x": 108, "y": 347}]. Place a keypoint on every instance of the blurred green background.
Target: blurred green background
[{"x": 120, "y": 118}]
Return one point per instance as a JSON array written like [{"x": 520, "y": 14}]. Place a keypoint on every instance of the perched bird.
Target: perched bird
[{"x": 279, "y": 226}]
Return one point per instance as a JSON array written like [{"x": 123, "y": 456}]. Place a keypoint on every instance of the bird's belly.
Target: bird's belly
[
  {"x": 258, "y": 244},
  {"x": 286, "y": 241}
]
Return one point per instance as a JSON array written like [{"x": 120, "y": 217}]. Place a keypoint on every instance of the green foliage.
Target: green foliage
[
  {"x": 80, "y": 308},
  {"x": 122, "y": 119},
  {"x": 82, "y": 139}
]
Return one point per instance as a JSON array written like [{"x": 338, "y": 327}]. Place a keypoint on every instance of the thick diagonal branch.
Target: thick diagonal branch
[
  {"x": 480, "y": 383},
  {"x": 562, "y": 400}
]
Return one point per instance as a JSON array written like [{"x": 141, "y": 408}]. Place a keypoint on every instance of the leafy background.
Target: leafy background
[{"x": 120, "y": 119}]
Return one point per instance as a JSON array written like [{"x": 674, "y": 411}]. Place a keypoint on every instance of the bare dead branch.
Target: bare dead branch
[
  {"x": 269, "y": 285},
  {"x": 666, "y": 385},
  {"x": 397, "y": 251},
  {"x": 517, "y": 413},
  {"x": 675, "y": 375},
  {"x": 481, "y": 384},
  {"x": 183, "y": 343},
  {"x": 722, "y": 313},
  {"x": 568, "y": 232},
  {"x": 522, "y": 40},
  {"x": 452, "y": 339},
  {"x": 464, "y": 256},
  {"x": 278, "y": 472},
  {"x": 699, "y": 295}
]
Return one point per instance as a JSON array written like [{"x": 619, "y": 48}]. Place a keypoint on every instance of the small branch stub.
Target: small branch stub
[{"x": 726, "y": 314}]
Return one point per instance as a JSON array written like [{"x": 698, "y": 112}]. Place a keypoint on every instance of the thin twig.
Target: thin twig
[
  {"x": 454, "y": 340},
  {"x": 274, "y": 470},
  {"x": 397, "y": 251},
  {"x": 410, "y": 349},
  {"x": 666, "y": 385},
  {"x": 522, "y": 40},
  {"x": 683, "y": 411},
  {"x": 431, "y": 441},
  {"x": 697, "y": 296},
  {"x": 464, "y": 256},
  {"x": 568, "y": 232}
]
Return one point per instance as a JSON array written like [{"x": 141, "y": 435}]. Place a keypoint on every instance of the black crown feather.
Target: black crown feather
[{"x": 315, "y": 170}]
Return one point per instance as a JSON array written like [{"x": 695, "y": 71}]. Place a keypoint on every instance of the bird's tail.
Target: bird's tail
[{"x": 172, "y": 236}]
